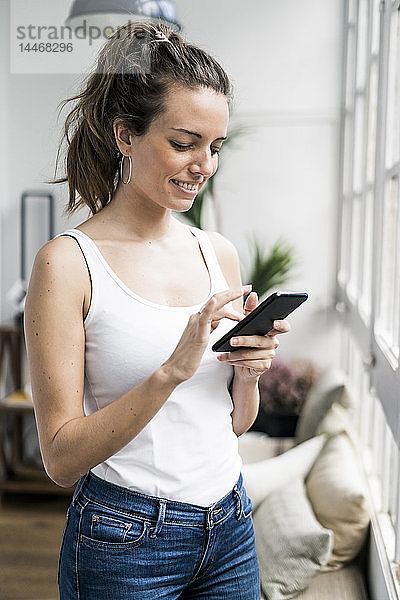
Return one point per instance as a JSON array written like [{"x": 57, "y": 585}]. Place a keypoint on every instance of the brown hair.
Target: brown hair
[{"x": 135, "y": 70}]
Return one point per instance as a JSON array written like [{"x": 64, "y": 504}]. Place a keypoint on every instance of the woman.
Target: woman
[{"x": 121, "y": 313}]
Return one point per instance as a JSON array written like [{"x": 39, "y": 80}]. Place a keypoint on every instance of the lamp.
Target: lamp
[{"x": 114, "y": 13}]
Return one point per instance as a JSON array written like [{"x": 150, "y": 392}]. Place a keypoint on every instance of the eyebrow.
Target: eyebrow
[{"x": 194, "y": 133}]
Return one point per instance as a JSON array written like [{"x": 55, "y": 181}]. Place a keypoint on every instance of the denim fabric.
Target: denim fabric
[{"x": 123, "y": 545}]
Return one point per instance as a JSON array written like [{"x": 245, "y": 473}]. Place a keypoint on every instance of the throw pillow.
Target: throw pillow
[
  {"x": 291, "y": 545},
  {"x": 338, "y": 495},
  {"x": 255, "y": 446},
  {"x": 328, "y": 388},
  {"x": 261, "y": 477},
  {"x": 339, "y": 420}
]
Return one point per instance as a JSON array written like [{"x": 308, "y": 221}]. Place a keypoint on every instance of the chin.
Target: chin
[{"x": 180, "y": 205}]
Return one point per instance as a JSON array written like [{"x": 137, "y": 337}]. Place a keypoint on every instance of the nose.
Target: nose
[{"x": 203, "y": 164}]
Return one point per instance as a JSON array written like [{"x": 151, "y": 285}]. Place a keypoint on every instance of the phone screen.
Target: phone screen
[{"x": 277, "y": 306}]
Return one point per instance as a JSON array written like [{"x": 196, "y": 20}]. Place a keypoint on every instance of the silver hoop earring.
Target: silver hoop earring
[{"x": 121, "y": 168}]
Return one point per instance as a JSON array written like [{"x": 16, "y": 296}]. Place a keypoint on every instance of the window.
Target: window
[{"x": 368, "y": 272}]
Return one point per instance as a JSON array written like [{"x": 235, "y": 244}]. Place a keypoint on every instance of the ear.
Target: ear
[{"x": 123, "y": 136}]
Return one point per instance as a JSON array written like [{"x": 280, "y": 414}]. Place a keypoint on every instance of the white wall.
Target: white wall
[
  {"x": 279, "y": 180},
  {"x": 4, "y": 62}
]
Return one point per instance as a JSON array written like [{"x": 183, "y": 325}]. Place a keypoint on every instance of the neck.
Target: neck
[{"x": 139, "y": 218}]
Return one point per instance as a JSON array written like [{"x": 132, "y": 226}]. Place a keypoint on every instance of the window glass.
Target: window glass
[
  {"x": 365, "y": 300},
  {"x": 388, "y": 319},
  {"x": 359, "y": 149},
  {"x": 352, "y": 12},
  {"x": 372, "y": 116},
  {"x": 350, "y": 69},
  {"x": 394, "y": 465},
  {"x": 362, "y": 39},
  {"x": 344, "y": 271},
  {"x": 393, "y": 103},
  {"x": 375, "y": 26},
  {"x": 355, "y": 249},
  {"x": 348, "y": 156}
]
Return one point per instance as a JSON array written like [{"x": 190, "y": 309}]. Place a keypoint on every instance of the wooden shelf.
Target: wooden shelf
[
  {"x": 16, "y": 477},
  {"x": 18, "y": 402},
  {"x": 31, "y": 480}
]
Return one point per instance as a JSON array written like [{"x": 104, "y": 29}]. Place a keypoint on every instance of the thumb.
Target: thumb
[{"x": 251, "y": 303}]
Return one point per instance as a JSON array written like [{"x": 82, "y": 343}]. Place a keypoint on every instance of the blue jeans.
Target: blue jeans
[{"x": 123, "y": 545}]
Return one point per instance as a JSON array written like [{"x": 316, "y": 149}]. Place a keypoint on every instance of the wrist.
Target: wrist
[
  {"x": 170, "y": 375},
  {"x": 250, "y": 379}
]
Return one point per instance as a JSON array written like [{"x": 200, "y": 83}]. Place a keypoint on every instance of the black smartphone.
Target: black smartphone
[{"x": 277, "y": 306}]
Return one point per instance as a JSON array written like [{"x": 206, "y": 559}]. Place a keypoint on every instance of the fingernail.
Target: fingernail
[{"x": 277, "y": 324}]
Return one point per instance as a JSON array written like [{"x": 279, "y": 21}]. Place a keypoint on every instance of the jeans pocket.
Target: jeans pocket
[{"x": 104, "y": 529}]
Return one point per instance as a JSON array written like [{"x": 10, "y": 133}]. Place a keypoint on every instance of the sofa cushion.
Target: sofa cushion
[
  {"x": 291, "y": 544},
  {"x": 263, "y": 476},
  {"x": 340, "y": 420},
  {"x": 337, "y": 492},
  {"x": 345, "y": 584},
  {"x": 328, "y": 388},
  {"x": 255, "y": 446}
]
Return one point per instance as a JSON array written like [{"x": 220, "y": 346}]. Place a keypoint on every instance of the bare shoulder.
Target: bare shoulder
[
  {"x": 224, "y": 249},
  {"x": 229, "y": 262},
  {"x": 59, "y": 269},
  {"x": 226, "y": 252},
  {"x": 61, "y": 252}
]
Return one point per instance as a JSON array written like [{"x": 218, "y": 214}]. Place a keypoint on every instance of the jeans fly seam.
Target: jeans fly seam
[
  {"x": 77, "y": 550},
  {"x": 209, "y": 533}
]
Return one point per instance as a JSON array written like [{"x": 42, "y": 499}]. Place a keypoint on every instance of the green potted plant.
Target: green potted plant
[{"x": 272, "y": 269}]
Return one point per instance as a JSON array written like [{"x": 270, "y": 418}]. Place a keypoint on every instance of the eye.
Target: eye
[
  {"x": 180, "y": 147},
  {"x": 183, "y": 147}
]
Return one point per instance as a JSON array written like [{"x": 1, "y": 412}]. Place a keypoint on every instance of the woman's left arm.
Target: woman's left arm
[{"x": 249, "y": 362}]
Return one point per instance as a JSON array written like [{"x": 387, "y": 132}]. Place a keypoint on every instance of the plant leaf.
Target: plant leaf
[{"x": 270, "y": 270}]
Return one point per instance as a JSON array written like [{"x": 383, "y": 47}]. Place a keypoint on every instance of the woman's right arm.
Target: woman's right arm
[{"x": 72, "y": 443}]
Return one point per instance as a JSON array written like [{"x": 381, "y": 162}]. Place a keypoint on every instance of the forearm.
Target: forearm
[
  {"x": 87, "y": 441},
  {"x": 246, "y": 399}
]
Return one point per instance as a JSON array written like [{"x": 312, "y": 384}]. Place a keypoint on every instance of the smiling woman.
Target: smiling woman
[
  {"x": 137, "y": 70},
  {"x": 130, "y": 400}
]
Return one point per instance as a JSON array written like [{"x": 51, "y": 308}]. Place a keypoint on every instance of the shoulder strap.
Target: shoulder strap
[{"x": 211, "y": 258}]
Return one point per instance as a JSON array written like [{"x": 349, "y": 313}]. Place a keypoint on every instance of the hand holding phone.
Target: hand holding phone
[{"x": 276, "y": 307}]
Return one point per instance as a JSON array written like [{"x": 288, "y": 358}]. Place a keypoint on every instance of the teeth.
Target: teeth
[{"x": 187, "y": 186}]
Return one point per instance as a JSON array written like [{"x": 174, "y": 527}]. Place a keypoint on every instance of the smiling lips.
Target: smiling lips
[{"x": 190, "y": 187}]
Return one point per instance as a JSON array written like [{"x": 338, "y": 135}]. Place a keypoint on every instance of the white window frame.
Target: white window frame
[{"x": 370, "y": 358}]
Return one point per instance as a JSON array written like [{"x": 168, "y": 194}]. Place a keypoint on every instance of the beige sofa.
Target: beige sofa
[{"x": 311, "y": 513}]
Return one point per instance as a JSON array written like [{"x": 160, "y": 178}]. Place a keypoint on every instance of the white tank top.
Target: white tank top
[{"x": 188, "y": 451}]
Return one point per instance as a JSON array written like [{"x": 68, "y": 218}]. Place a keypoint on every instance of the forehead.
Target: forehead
[{"x": 202, "y": 110}]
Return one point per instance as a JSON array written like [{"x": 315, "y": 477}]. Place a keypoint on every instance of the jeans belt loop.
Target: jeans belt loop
[
  {"x": 79, "y": 486},
  {"x": 160, "y": 520},
  {"x": 239, "y": 507}
]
